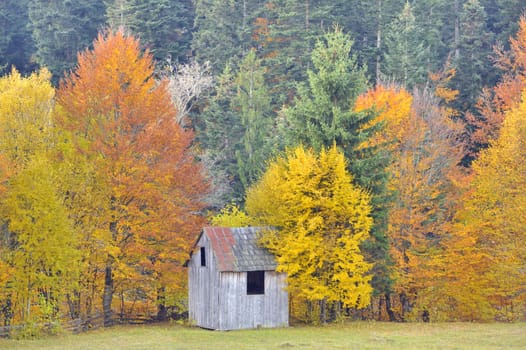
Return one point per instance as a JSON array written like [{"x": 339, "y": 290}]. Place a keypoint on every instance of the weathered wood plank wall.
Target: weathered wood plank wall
[
  {"x": 239, "y": 310},
  {"x": 203, "y": 286}
]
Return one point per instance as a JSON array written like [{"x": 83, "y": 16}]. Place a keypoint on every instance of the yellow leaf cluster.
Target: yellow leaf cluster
[
  {"x": 393, "y": 106},
  {"x": 231, "y": 216},
  {"x": 491, "y": 234},
  {"x": 441, "y": 81},
  {"x": 46, "y": 258},
  {"x": 26, "y": 106},
  {"x": 322, "y": 219}
]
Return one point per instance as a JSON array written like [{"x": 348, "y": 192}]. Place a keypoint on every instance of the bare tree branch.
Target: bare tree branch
[{"x": 187, "y": 82}]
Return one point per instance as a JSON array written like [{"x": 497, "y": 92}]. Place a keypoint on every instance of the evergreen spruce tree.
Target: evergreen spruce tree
[
  {"x": 238, "y": 122},
  {"x": 164, "y": 26},
  {"x": 324, "y": 115},
  {"x": 252, "y": 102},
  {"x": 16, "y": 43},
  {"x": 367, "y": 25},
  {"x": 293, "y": 29},
  {"x": 219, "y": 136},
  {"x": 322, "y": 112},
  {"x": 435, "y": 20},
  {"x": 61, "y": 29},
  {"x": 503, "y": 17},
  {"x": 222, "y": 31},
  {"x": 474, "y": 70},
  {"x": 405, "y": 59}
]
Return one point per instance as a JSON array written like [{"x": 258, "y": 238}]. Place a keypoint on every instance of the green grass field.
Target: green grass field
[{"x": 358, "y": 335}]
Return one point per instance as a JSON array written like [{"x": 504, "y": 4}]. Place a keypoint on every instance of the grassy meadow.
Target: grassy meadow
[{"x": 356, "y": 335}]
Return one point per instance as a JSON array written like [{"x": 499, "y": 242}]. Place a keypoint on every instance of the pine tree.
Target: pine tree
[
  {"x": 436, "y": 21},
  {"x": 16, "y": 43},
  {"x": 220, "y": 138},
  {"x": 63, "y": 28},
  {"x": 472, "y": 65},
  {"x": 367, "y": 25},
  {"x": 322, "y": 112},
  {"x": 222, "y": 31},
  {"x": 503, "y": 17},
  {"x": 405, "y": 58},
  {"x": 252, "y": 102},
  {"x": 238, "y": 127},
  {"x": 293, "y": 29},
  {"x": 165, "y": 27}
]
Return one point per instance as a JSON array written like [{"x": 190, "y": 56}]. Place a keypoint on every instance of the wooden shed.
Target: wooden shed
[{"x": 233, "y": 283}]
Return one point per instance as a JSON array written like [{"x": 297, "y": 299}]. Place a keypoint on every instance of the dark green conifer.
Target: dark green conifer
[{"x": 62, "y": 28}]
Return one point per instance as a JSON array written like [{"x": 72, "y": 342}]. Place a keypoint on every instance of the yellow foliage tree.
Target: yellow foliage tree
[
  {"x": 487, "y": 258},
  {"x": 84, "y": 197},
  {"x": 25, "y": 116},
  {"x": 322, "y": 219},
  {"x": 38, "y": 246},
  {"x": 425, "y": 181},
  {"x": 44, "y": 255},
  {"x": 231, "y": 216}
]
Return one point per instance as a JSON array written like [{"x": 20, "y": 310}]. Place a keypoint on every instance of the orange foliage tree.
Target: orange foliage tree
[
  {"x": 486, "y": 257},
  {"x": 423, "y": 144},
  {"x": 428, "y": 181},
  {"x": 495, "y": 103},
  {"x": 149, "y": 184}
]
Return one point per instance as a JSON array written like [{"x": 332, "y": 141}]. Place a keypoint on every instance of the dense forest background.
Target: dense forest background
[
  {"x": 394, "y": 40},
  {"x": 403, "y": 113}
]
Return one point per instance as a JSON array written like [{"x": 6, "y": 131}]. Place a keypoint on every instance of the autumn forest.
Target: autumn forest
[{"x": 384, "y": 140}]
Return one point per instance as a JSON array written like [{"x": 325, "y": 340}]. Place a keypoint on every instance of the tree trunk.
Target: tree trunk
[
  {"x": 378, "y": 41},
  {"x": 107, "y": 296},
  {"x": 162, "y": 311},
  {"x": 388, "y": 308},
  {"x": 7, "y": 311},
  {"x": 380, "y": 307},
  {"x": 406, "y": 305},
  {"x": 323, "y": 311},
  {"x": 457, "y": 29},
  {"x": 74, "y": 305},
  {"x": 307, "y": 14},
  {"x": 121, "y": 312},
  {"x": 425, "y": 316},
  {"x": 244, "y": 29}
]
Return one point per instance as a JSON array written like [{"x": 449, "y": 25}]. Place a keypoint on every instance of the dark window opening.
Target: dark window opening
[
  {"x": 203, "y": 256},
  {"x": 255, "y": 282}
]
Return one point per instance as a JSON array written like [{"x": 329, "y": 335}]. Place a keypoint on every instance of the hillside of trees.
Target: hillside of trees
[{"x": 385, "y": 139}]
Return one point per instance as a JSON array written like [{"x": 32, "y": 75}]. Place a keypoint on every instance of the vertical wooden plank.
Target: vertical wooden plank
[{"x": 203, "y": 288}]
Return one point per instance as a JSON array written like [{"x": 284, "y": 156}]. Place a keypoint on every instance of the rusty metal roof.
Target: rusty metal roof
[{"x": 236, "y": 249}]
